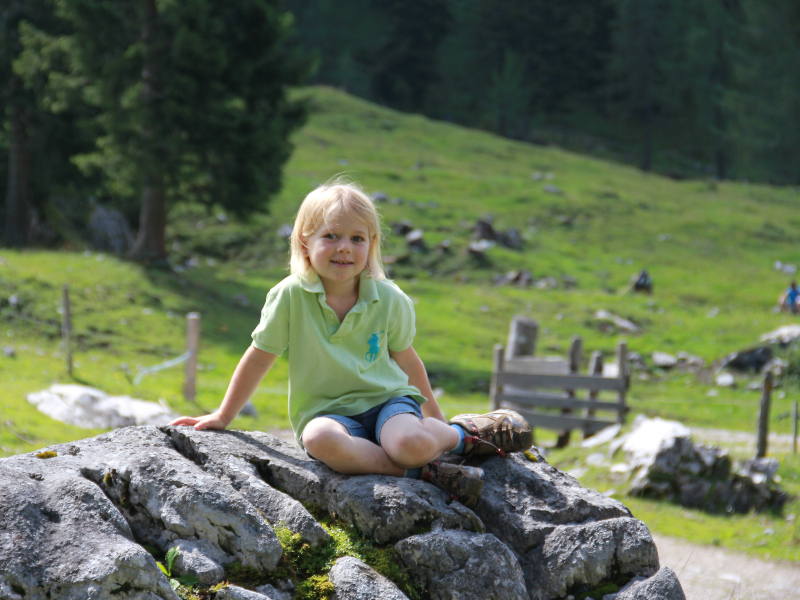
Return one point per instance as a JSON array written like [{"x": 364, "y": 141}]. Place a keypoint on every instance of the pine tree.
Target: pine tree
[
  {"x": 766, "y": 103},
  {"x": 191, "y": 101},
  {"x": 643, "y": 41},
  {"x": 40, "y": 141},
  {"x": 407, "y": 67},
  {"x": 17, "y": 108}
]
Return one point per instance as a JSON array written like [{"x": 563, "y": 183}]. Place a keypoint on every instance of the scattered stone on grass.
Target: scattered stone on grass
[
  {"x": 663, "y": 360},
  {"x": 752, "y": 360},
  {"x": 605, "y": 319},
  {"x": 667, "y": 465},
  {"x": 87, "y": 407},
  {"x": 782, "y": 335}
]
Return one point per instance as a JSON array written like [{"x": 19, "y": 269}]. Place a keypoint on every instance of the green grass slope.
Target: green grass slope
[{"x": 710, "y": 248}]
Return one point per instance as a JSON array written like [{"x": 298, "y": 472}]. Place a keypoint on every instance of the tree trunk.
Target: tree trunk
[
  {"x": 150, "y": 241},
  {"x": 18, "y": 219},
  {"x": 719, "y": 115}
]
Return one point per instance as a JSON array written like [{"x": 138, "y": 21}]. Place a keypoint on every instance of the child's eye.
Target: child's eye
[
  {"x": 330, "y": 236},
  {"x": 358, "y": 238}
]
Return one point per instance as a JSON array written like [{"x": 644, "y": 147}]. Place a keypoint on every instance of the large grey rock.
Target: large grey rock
[
  {"x": 553, "y": 524},
  {"x": 581, "y": 557},
  {"x": 524, "y": 501},
  {"x": 74, "y": 525},
  {"x": 386, "y": 509},
  {"x": 354, "y": 580},
  {"x": 162, "y": 496},
  {"x": 664, "y": 585},
  {"x": 61, "y": 537},
  {"x": 459, "y": 565},
  {"x": 667, "y": 465}
]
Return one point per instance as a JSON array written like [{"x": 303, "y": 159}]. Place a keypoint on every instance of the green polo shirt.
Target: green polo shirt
[{"x": 338, "y": 368}]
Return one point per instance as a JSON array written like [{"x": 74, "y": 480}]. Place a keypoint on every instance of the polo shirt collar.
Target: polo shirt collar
[{"x": 367, "y": 288}]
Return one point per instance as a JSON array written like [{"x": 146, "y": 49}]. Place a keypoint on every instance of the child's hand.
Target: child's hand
[{"x": 212, "y": 421}]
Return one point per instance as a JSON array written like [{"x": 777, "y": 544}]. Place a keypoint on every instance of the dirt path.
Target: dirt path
[
  {"x": 743, "y": 441},
  {"x": 710, "y": 573}
]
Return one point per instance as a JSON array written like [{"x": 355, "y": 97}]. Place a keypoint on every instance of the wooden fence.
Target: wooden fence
[{"x": 549, "y": 391}]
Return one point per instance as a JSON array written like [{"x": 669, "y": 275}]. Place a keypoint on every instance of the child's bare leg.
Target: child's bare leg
[
  {"x": 411, "y": 442},
  {"x": 329, "y": 441}
]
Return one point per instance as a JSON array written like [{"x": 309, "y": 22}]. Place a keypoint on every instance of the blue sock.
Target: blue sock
[
  {"x": 460, "y": 448},
  {"x": 413, "y": 473}
]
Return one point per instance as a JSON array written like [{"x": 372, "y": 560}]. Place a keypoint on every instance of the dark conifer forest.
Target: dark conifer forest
[{"x": 138, "y": 103}]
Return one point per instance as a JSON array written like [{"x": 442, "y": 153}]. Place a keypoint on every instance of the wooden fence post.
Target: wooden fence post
[
  {"x": 575, "y": 355},
  {"x": 763, "y": 416},
  {"x": 624, "y": 374},
  {"x": 521, "y": 337},
  {"x": 794, "y": 427},
  {"x": 192, "y": 347},
  {"x": 494, "y": 389},
  {"x": 66, "y": 327},
  {"x": 595, "y": 368}
]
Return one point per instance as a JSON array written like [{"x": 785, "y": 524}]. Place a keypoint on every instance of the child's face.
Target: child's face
[{"x": 338, "y": 251}]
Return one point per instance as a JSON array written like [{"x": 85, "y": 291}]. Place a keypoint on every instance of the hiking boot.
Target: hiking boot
[
  {"x": 499, "y": 431},
  {"x": 461, "y": 483}
]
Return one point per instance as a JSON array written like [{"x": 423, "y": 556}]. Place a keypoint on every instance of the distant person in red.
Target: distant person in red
[{"x": 790, "y": 297}]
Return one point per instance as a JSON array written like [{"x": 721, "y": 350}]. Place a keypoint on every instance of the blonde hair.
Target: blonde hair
[{"x": 324, "y": 203}]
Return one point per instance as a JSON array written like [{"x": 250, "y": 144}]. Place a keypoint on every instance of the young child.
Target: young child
[{"x": 359, "y": 396}]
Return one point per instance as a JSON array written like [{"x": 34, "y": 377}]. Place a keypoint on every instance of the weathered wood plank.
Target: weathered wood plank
[
  {"x": 560, "y": 422},
  {"x": 554, "y": 401},
  {"x": 568, "y": 382},
  {"x": 537, "y": 366}
]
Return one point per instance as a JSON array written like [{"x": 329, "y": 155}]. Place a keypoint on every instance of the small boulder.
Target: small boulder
[
  {"x": 453, "y": 564},
  {"x": 234, "y": 592},
  {"x": 198, "y": 558},
  {"x": 414, "y": 239},
  {"x": 403, "y": 227},
  {"x": 752, "y": 360},
  {"x": 664, "y": 585},
  {"x": 354, "y": 580},
  {"x": 484, "y": 231},
  {"x": 725, "y": 380},
  {"x": 782, "y": 335},
  {"x": 662, "y": 360}
]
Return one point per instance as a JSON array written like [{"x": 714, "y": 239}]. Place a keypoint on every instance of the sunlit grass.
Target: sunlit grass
[{"x": 710, "y": 248}]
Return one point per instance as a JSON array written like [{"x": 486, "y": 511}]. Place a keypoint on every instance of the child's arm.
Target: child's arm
[
  {"x": 248, "y": 374},
  {"x": 410, "y": 362}
]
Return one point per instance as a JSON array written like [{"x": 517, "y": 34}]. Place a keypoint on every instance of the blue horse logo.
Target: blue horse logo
[{"x": 374, "y": 347}]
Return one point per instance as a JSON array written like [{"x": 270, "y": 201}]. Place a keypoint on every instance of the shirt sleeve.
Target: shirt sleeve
[
  {"x": 402, "y": 323},
  {"x": 272, "y": 333}
]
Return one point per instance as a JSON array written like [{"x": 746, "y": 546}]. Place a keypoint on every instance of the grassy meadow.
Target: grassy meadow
[{"x": 709, "y": 246}]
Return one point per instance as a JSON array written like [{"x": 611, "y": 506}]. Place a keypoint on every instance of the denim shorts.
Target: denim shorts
[{"x": 368, "y": 424}]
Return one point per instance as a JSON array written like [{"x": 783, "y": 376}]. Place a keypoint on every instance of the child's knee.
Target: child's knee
[
  {"x": 410, "y": 447},
  {"x": 320, "y": 437}
]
